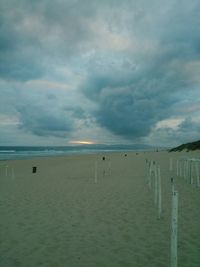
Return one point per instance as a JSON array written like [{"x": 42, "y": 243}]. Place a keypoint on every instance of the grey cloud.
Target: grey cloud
[
  {"x": 187, "y": 131},
  {"x": 44, "y": 122},
  {"x": 36, "y": 33},
  {"x": 124, "y": 114},
  {"x": 19, "y": 53},
  {"x": 51, "y": 97},
  {"x": 128, "y": 90},
  {"x": 130, "y": 102},
  {"x": 76, "y": 112},
  {"x": 21, "y": 69},
  {"x": 188, "y": 126},
  {"x": 33, "y": 33},
  {"x": 40, "y": 111}
]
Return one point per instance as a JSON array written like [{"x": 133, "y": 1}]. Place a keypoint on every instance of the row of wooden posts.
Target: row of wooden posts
[
  {"x": 189, "y": 169},
  {"x": 153, "y": 178},
  {"x": 6, "y": 170}
]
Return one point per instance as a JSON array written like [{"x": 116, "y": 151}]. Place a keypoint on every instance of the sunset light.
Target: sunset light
[{"x": 81, "y": 142}]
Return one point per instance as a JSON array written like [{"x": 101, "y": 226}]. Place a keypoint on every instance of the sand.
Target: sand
[{"x": 60, "y": 216}]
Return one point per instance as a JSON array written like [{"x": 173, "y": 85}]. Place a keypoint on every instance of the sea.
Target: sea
[{"x": 27, "y": 152}]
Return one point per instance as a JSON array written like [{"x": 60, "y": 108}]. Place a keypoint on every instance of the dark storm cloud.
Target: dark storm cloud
[
  {"x": 133, "y": 61},
  {"x": 130, "y": 101},
  {"x": 32, "y": 33},
  {"x": 38, "y": 111},
  {"x": 18, "y": 50},
  {"x": 44, "y": 122}
]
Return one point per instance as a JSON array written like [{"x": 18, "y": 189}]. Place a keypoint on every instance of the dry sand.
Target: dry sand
[{"x": 60, "y": 217}]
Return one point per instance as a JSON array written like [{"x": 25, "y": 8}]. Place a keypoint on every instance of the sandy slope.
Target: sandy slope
[{"x": 61, "y": 217}]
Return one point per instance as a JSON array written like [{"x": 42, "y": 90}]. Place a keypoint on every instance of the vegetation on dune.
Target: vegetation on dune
[{"x": 189, "y": 146}]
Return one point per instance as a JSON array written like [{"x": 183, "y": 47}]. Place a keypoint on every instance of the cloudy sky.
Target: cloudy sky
[{"x": 106, "y": 71}]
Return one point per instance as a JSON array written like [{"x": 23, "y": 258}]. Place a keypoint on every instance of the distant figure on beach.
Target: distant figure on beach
[{"x": 34, "y": 169}]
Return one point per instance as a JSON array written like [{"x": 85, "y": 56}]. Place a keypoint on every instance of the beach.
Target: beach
[{"x": 95, "y": 211}]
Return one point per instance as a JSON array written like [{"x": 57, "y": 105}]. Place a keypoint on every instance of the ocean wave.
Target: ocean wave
[{"x": 7, "y": 151}]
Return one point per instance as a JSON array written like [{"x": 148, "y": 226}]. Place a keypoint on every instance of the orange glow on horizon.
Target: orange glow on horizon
[{"x": 81, "y": 142}]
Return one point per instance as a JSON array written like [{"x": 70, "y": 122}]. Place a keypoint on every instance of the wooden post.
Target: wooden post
[
  {"x": 197, "y": 173},
  {"x": 146, "y": 171},
  {"x": 187, "y": 170},
  {"x": 149, "y": 180},
  {"x": 192, "y": 168},
  {"x": 104, "y": 171},
  {"x": 109, "y": 166},
  {"x": 171, "y": 164},
  {"x": 177, "y": 168},
  {"x": 190, "y": 171},
  {"x": 159, "y": 194},
  {"x": 95, "y": 172},
  {"x": 6, "y": 170},
  {"x": 172, "y": 183},
  {"x": 13, "y": 173},
  {"x": 156, "y": 185},
  {"x": 174, "y": 228},
  {"x": 180, "y": 166},
  {"x": 150, "y": 173}
]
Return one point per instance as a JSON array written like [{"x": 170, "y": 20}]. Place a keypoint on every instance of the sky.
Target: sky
[{"x": 105, "y": 72}]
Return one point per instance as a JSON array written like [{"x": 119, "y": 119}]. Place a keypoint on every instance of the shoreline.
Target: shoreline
[
  {"x": 90, "y": 153},
  {"x": 75, "y": 153}
]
